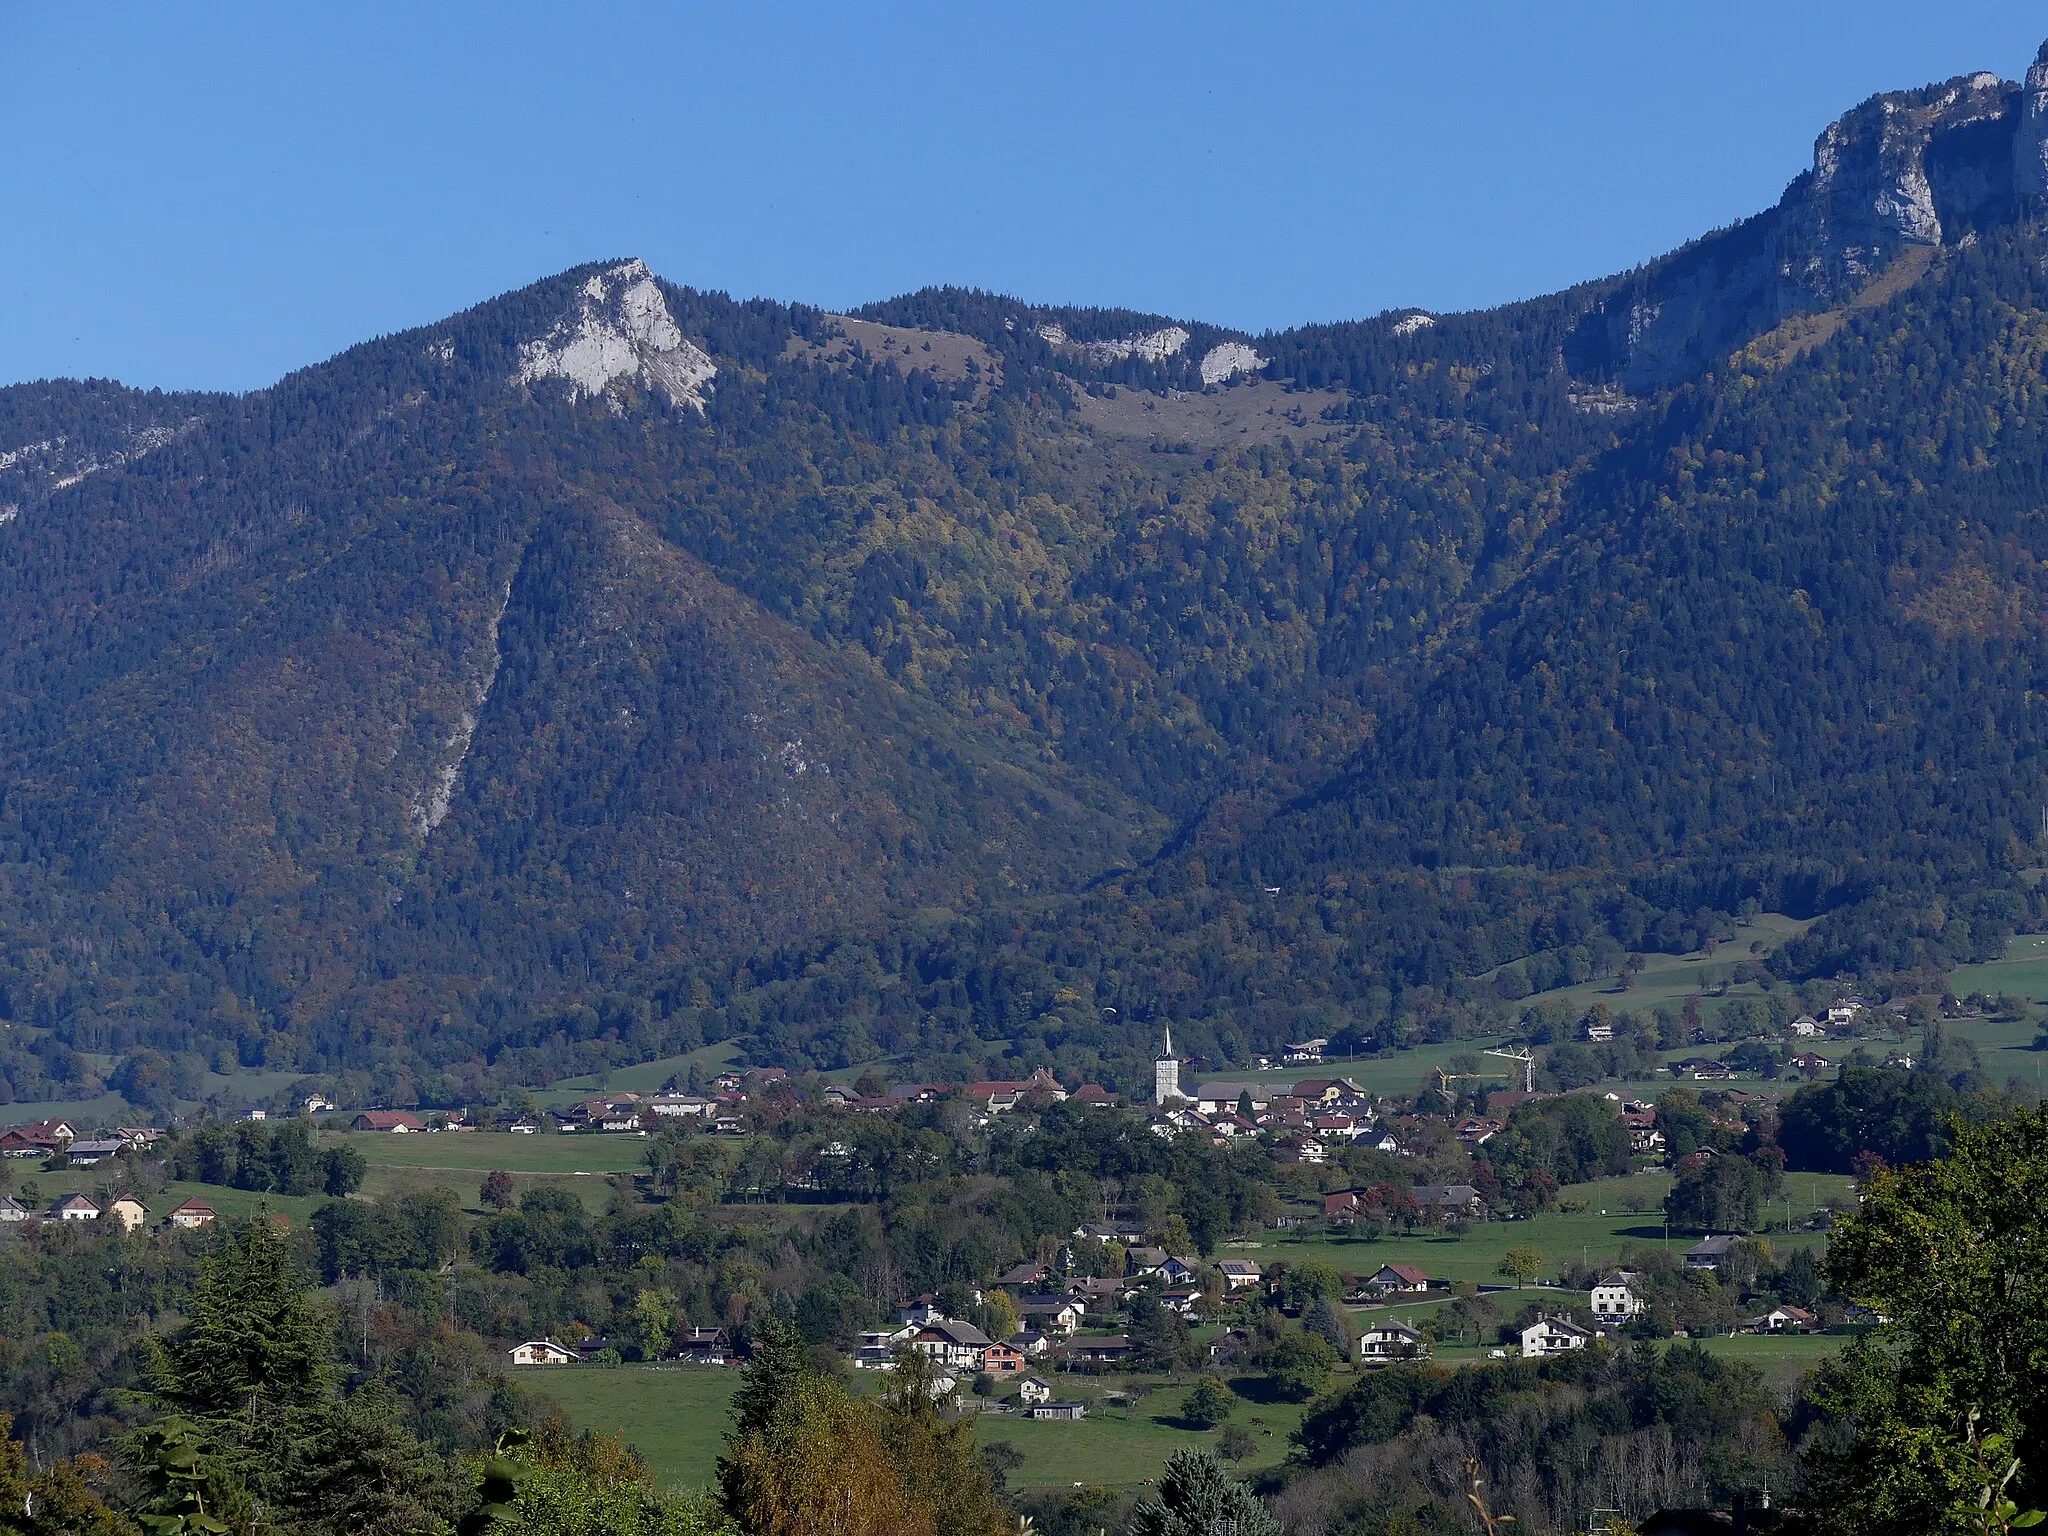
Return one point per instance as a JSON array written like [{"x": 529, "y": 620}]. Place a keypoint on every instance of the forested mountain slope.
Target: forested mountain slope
[{"x": 615, "y": 666}]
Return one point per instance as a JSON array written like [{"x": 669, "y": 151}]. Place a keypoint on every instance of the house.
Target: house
[
  {"x": 1183, "y": 1299},
  {"x": 1034, "y": 1390},
  {"x": 1786, "y": 1319},
  {"x": 1023, "y": 1277},
  {"x": 39, "y": 1140},
  {"x": 139, "y": 1135},
  {"x": 1179, "y": 1271},
  {"x": 1842, "y": 1015},
  {"x": 74, "y": 1208},
  {"x": 1231, "y": 1347},
  {"x": 1051, "y": 1314},
  {"x": 12, "y": 1209},
  {"x": 1390, "y": 1341},
  {"x": 1098, "y": 1290},
  {"x": 1599, "y": 1033},
  {"x": 1310, "y": 1051},
  {"x": 1002, "y": 1360},
  {"x": 1030, "y": 1343},
  {"x": 1110, "y": 1231},
  {"x": 1398, "y": 1280},
  {"x": 1298, "y": 1149},
  {"x": 1388, "y": 1143},
  {"x": 1478, "y": 1130},
  {"x": 1711, "y": 1253},
  {"x": 130, "y": 1212},
  {"x": 921, "y": 1310},
  {"x": 951, "y": 1342},
  {"x": 679, "y": 1106},
  {"x": 1222, "y": 1098},
  {"x": 1450, "y": 1201},
  {"x": 1095, "y": 1096},
  {"x": 314, "y": 1103},
  {"x": 1810, "y": 1061},
  {"x": 191, "y": 1214},
  {"x": 1112, "y": 1349},
  {"x": 999, "y": 1097},
  {"x": 1238, "y": 1273},
  {"x": 524, "y": 1127},
  {"x": 875, "y": 1350},
  {"x": 1052, "y": 1410},
  {"x": 1702, "y": 1069},
  {"x": 1144, "y": 1261},
  {"x": 254, "y": 1112},
  {"x": 1327, "y": 1090},
  {"x": 1806, "y": 1027},
  {"x": 1552, "y": 1336},
  {"x": 1615, "y": 1299},
  {"x": 83, "y": 1153},
  {"x": 624, "y": 1118},
  {"x": 396, "y": 1122},
  {"x": 542, "y": 1352}
]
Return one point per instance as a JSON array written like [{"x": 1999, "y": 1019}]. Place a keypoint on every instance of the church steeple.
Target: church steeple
[{"x": 1166, "y": 1072}]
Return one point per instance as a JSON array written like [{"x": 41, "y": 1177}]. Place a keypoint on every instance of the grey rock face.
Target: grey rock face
[
  {"x": 1904, "y": 169},
  {"x": 2030, "y": 140}
]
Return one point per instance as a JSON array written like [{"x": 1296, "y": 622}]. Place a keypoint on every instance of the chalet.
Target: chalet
[
  {"x": 1140, "y": 1262},
  {"x": 524, "y": 1127},
  {"x": 1615, "y": 1299},
  {"x": 1183, "y": 1299},
  {"x": 1338, "y": 1127},
  {"x": 84, "y": 1154},
  {"x": 1232, "y": 1347},
  {"x": 1806, "y": 1027},
  {"x": 1238, "y": 1273},
  {"x": 1843, "y": 1014},
  {"x": 1388, "y": 1143},
  {"x": 1023, "y": 1277},
  {"x": 254, "y": 1112},
  {"x": 1095, "y": 1096},
  {"x": 1098, "y": 1290},
  {"x": 191, "y": 1214},
  {"x": 1711, "y": 1253},
  {"x": 998, "y": 1097},
  {"x": 921, "y": 1310},
  {"x": 541, "y": 1352},
  {"x": 1179, "y": 1271},
  {"x": 1030, "y": 1343},
  {"x": 42, "y": 1139},
  {"x": 1552, "y": 1336},
  {"x": 1390, "y": 1341},
  {"x": 139, "y": 1135},
  {"x": 728, "y": 1082},
  {"x": 951, "y": 1342},
  {"x": 1450, "y": 1200},
  {"x": 1783, "y": 1320},
  {"x": 1002, "y": 1360},
  {"x": 314, "y": 1103},
  {"x": 395, "y": 1122},
  {"x": 1112, "y": 1349},
  {"x": 1398, "y": 1280},
  {"x": 1478, "y": 1130},
  {"x": 1304, "y": 1051},
  {"x": 1052, "y": 1410},
  {"x": 1033, "y": 1390},
  {"x": 1810, "y": 1061},
  {"x": 625, "y": 1118},
  {"x": 74, "y": 1208},
  {"x": 1327, "y": 1090},
  {"x": 704, "y": 1346},
  {"x": 12, "y": 1209},
  {"x": 1298, "y": 1149},
  {"x": 1051, "y": 1314},
  {"x": 130, "y": 1212}
]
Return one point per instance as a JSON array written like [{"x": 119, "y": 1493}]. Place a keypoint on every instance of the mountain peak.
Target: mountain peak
[{"x": 619, "y": 328}]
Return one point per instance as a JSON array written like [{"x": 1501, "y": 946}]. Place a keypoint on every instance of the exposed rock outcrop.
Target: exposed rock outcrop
[
  {"x": 620, "y": 329},
  {"x": 2030, "y": 140}
]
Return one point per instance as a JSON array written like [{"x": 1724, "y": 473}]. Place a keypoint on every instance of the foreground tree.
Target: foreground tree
[
  {"x": 1197, "y": 1497},
  {"x": 1954, "y": 1255}
]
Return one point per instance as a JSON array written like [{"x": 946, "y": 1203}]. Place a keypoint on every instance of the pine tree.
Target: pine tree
[{"x": 1198, "y": 1498}]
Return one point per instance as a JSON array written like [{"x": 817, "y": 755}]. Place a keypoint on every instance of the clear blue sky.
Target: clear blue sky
[{"x": 208, "y": 195}]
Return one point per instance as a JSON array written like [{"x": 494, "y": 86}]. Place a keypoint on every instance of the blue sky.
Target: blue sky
[{"x": 210, "y": 195}]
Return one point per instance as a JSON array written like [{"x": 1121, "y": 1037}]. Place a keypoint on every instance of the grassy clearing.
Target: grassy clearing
[
  {"x": 674, "y": 1415},
  {"x": 2023, "y": 972},
  {"x": 1619, "y": 1213},
  {"x": 647, "y": 1077},
  {"x": 1118, "y": 1447}
]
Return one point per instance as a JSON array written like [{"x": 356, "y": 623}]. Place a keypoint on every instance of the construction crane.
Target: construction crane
[
  {"x": 1445, "y": 1079},
  {"x": 1527, "y": 1058}
]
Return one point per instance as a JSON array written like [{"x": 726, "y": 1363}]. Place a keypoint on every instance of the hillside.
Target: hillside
[{"x": 616, "y": 666}]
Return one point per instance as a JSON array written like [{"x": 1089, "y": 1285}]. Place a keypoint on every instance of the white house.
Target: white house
[
  {"x": 680, "y": 1106},
  {"x": 1390, "y": 1341},
  {"x": 1051, "y": 1410},
  {"x": 1807, "y": 1027},
  {"x": 12, "y": 1209},
  {"x": 1238, "y": 1273},
  {"x": 542, "y": 1352},
  {"x": 75, "y": 1208},
  {"x": 1033, "y": 1390},
  {"x": 1615, "y": 1300},
  {"x": 1842, "y": 1015},
  {"x": 951, "y": 1342},
  {"x": 875, "y": 1350},
  {"x": 1710, "y": 1253},
  {"x": 1552, "y": 1336}
]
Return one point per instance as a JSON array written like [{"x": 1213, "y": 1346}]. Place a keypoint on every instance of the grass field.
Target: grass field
[
  {"x": 1619, "y": 1212},
  {"x": 2023, "y": 972},
  {"x": 674, "y": 1415},
  {"x": 647, "y": 1077},
  {"x": 1125, "y": 1447}
]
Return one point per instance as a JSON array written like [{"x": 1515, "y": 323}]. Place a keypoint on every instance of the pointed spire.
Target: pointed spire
[{"x": 1166, "y": 1054}]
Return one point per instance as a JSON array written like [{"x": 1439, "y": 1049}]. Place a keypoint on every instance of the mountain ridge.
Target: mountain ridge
[{"x": 613, "y": 666}]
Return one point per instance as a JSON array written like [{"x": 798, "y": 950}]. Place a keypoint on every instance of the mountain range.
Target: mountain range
[{"x": 979, "y": 684}]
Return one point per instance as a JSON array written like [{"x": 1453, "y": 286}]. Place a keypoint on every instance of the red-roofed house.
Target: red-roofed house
[{"x": 395, "y": 1121}]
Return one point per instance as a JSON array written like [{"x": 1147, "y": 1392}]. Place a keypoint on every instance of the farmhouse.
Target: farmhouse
[
  {"x": 1615, "y": 1300},
  {"x": 130, "y": 1212},
  {"x": 1397, "y": 1279},
  {"x": 1710, "y": 1253},
  {"x": 12, "y": 1209},
  {"x": 84, "y": 1154},
  {"x": 191, "y": 1214},
  {"x": 74, "y": 1208},
  {"x": 951, "y": 1342},
  {"x": 395, "y": 1122},
  {"x": 1033, "y": 1390}
]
